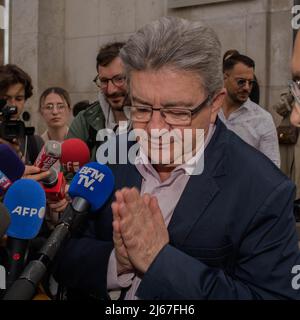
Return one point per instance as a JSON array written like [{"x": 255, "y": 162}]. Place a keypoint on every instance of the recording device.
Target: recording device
[
  {"x": 54, "y": 185},
  {"x": 75, "y": 153},
  {"x": 26, "y": 202},
  {"x": 4, "y": 219},
  {"x": 90, "y": 189},
  {"x": 50, "y": 153},
  {"x": 11, "y": 167},
  {"x": 12, "y": 129}
]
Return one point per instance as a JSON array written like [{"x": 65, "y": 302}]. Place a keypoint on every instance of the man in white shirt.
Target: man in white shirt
[{"x": 245, "y": 118}]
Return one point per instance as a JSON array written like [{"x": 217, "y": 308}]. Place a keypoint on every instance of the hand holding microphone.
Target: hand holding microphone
[
  {"x": 35, "y": 173},
  {"x": 74, "y": 154},
  {"x": 90, "y": 189},
  {"x": 12, "y": 168}
]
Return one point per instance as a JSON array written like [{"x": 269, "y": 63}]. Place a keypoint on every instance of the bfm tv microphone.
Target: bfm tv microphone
[
  {"x": 26, "y": 202},
  {"x": 90, "y": 189},
  {"x": 11, "y": 166},
  {"x": 50, "y": 153},
  {"x": 74, "y": 154}
]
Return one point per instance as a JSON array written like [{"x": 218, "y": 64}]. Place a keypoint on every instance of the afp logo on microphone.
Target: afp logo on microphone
[{"x": 31, "y": 212}]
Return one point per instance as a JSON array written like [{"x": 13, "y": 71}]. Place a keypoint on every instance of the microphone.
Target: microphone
[
  {"x": 54, "y": 185},
  {"x": 90, "y": 189},
  {"x": 26, "y": 202},
  {"x": 10, "y": 164},
  {"x": 4, "y": 220},
  {"x": 11, "y": 167},
  {"x": 5, "y": 183},
  {"x": 74, "y": 154},
  {"x": 50, "y": 153}
]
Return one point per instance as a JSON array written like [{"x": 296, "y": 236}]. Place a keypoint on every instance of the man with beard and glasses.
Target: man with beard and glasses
[
  {"x": 107, "y": 112},
  {"x": 241, "y": 115}
]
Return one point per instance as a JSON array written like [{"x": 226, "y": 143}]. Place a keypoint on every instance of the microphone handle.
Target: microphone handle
[
  {"x": 16, "y": 252},
  {"x": 24, "y": 288}
]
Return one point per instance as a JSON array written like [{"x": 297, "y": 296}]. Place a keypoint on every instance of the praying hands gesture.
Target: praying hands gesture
[{"x": 139, "y": 230}]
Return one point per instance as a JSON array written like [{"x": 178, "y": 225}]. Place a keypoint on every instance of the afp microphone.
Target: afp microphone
[
  {"x": 26, "y": 202},
  {"x": 74, "y": 154},
  {"x": 90, "y": 189}
]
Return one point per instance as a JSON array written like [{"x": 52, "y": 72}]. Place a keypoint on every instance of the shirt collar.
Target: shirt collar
[{"x": 143, "y": 164}]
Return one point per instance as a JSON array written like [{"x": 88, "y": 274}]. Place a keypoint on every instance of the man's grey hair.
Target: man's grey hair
[{"x": 179, "y": 44}]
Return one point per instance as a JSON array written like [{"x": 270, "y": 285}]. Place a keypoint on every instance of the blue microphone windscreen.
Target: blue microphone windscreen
[
  {"x": 26, "y": 203},
  {"x": 94, "y": 182},
  {"x": 10, "y": 164}
]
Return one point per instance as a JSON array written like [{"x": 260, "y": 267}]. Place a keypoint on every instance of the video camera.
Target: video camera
[{"x": 12, "y": 129}]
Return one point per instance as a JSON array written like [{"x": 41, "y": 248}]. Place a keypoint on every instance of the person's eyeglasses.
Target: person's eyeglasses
[
  {"x": 181, "y": 116},
  {"x": 102, "y": 83},
  {"x": 50, "y": 107},
  {"x": 295, "y": 90},
  {"x": 242, "y": 82}
]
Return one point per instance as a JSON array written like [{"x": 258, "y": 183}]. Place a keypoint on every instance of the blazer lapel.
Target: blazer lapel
[
  {"x": 198, "y": 194},
  {"x": 200, "y": 189}
]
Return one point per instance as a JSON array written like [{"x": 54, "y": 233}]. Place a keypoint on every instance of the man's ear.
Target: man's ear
[{"x": 217, "y": 103}]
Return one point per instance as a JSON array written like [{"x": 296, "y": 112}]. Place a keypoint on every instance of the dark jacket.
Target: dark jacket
[{"x": 232, "y": 234}]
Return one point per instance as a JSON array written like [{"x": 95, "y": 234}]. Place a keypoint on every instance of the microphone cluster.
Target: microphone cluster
[{"x": 24, "y": 206}]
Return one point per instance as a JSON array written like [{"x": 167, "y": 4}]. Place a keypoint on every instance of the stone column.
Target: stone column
[{"x": 37, "y": 46}]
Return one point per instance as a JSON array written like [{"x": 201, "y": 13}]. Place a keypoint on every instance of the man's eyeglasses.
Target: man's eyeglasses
[
  {"x": 102, "y": 83},
  {"x": 177, "y": 116},
  {"x": 242, "y": 82},
  {"x": 50, "y": 107},
  {"x": 295, "y": 90}
]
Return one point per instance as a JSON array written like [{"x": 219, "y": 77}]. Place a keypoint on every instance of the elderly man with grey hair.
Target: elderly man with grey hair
[{"x": 218, "y": 225}]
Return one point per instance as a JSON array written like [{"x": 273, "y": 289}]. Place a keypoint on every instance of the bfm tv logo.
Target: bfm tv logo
[{"x": 88, "y": 176}]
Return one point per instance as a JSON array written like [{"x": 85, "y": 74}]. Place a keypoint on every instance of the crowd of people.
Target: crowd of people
[{"x": 226, "y": 233}]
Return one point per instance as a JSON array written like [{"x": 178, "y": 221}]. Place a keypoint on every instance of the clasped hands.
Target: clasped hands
[{"x": 139, "y": 230}]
